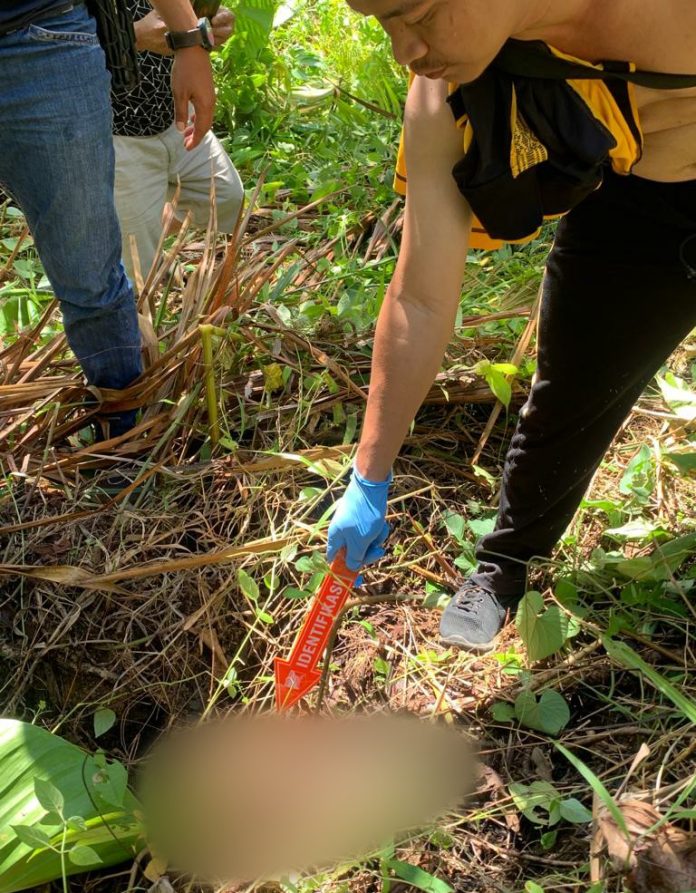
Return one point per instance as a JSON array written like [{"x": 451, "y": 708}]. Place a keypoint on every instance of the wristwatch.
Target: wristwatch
[{"x": 200, "y": 36}]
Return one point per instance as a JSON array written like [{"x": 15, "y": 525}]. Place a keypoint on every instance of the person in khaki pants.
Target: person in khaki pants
[{"x": 150, "y": 157}]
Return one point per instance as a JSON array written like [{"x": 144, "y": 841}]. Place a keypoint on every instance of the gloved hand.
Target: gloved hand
[{"x": 358, "y": 524}]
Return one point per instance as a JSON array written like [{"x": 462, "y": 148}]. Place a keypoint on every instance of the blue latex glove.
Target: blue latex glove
[{"x": 358, "y": 524}]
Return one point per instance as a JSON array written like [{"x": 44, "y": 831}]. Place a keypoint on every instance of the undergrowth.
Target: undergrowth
[{"x": 170, "y": 601}]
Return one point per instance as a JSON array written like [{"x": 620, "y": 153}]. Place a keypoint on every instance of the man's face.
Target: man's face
[{"x": 454, "y": 40}]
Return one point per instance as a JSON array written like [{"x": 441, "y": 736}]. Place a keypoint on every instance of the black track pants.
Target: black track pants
[{"x": 619, "y": 295}]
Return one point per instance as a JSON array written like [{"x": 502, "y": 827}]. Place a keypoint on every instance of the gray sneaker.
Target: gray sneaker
[{"x": 473, "y": 618}]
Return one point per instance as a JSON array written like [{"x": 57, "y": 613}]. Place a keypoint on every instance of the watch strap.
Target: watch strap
[{"x": 179, "y": 40}]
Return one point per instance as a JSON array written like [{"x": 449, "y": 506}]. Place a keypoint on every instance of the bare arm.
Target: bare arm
[
  {"x": 150, "y": 31},
  {"x": 419, "y": 310},
  {"x": 192, "y": 76}
]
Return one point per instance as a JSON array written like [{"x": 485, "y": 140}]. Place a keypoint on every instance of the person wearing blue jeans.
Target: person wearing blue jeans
[{"x": 57, "y": 162}]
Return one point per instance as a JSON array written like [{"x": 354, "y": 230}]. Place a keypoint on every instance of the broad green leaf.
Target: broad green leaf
[
  {"x": 32, "y": 836},
  {"x": 500, "y": 386},
  {"x": 417, "y": 877},
  {"x": 83, "y": 855},
  {"x": 503, "y": 712},
  {"x": 496, "y": 376},
  {"x": 532, "y": 887},
  {"x": 567, "y": 594},
  {"x": 294, "y": 592},
  {"x": 549, "y": 714},
  {"x": 104, "y": 718},
  {"x": 535, "y": 799},
  {"x": 48, "y": 795},
  {"x": 573, "y": 811},
  {"x": 685, "y": 462},
  {"x": 635, "y": 530},
  {"x": 455, "y": 525},
  {"x": 637, "y": 475},
  {"x": 111, "y": 783},
  {"x": 29, "y": 753},
  {"x": 680, "y": 399},
  {"x": 248, "y": 585},
  {"x": 481, "y": 526},
  {"x": 543, "y": 630},
  {"x": 548, "y": 839},
  {"x": 663, "y": 563},
  {"x": 554, "y": 713},
  {"x": 254, "y": 21}
]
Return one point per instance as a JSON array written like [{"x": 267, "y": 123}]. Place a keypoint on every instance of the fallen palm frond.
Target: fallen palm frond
[{"x": 233, "y": 302}]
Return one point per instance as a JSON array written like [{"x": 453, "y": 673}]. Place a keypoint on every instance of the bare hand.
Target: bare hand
[
  {"x": 149, "y": 34},
  {"x": 223, "y": 23},
  {"x": 192, "y": 82}
]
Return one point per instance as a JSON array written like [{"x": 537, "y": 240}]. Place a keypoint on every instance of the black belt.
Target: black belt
[{"x": 38, "y": 16}]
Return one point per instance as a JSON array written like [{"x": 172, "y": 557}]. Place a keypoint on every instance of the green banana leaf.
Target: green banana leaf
[{"x": 57, "y": 795}]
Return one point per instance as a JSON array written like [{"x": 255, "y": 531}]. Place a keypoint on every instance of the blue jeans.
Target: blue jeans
[{"x": 57, "y": 161}]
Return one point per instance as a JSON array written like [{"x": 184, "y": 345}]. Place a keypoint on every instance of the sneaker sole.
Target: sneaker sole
[{"x": 461, "y": 642}]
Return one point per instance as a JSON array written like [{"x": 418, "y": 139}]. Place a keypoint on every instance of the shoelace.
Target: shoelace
[{"x": 469, "y": 599}]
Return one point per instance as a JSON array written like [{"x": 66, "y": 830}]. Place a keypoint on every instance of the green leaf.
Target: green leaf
[
  {"x": 294, "y": 592},
  {"x": 625, "y": 655},
  {"x": 481, "y": 526},
  {"x": 543, "y": 631},
  {"x": 566, "y": 593},
  {"x": 506, "y": 368},
  {"x": 29, "y": 753},
  {"x": 549, "y": 714},
  {"x": 104, "y": 718},
  {"x": 254, "y": 20},
  {"x": 455, "y": 525},
  {"x": 685, "y": 462},
  {"x": 548, "y": 839},
  {"x": 311, "y": 564},
  {"x": 680, "y": 399},
  {"x": 111, "y": 783},
  {"x": 535, "y": 799},
  {"x": 496, "y": 376},
  {"x": 596, "y": 786},
  {"x": 48, "y": 795},
  {"x": 417, "y": 877},
  {"x": 637, "y": 479},
  {"x": 662, "y": 563},
  {"x": 573, "y": 811},
  {"x": 32, "y": 836},
  {"x": 532, "y": 887},
  {"x": 248, "y": 585},
  {"x": 554, "y": 713},
  {"x": 76, "y": 823},
  {"x": 83, "y": 855},
  {"x": 500, "y": 386},
  {"x": 637, "y": 529},
  {"x": 503, "y": 712}
]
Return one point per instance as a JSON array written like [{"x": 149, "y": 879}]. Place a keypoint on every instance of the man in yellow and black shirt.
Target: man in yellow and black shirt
[{"x": 520, "y": 111}]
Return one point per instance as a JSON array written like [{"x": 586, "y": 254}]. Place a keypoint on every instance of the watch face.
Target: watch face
[{"x": 206, "y": 30}]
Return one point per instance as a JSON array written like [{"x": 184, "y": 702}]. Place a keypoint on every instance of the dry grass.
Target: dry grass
[{"x": 134, "y": 602}]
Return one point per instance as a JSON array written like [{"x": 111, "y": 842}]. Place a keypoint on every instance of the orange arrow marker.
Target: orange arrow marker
[{"x": 299, "y": 674}]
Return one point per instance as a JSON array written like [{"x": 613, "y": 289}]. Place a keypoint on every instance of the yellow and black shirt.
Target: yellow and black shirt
[{"x": 538, "y": 127}]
